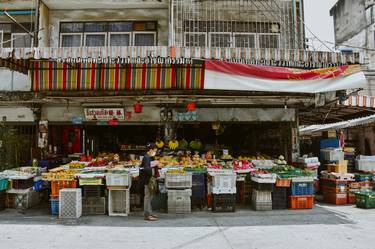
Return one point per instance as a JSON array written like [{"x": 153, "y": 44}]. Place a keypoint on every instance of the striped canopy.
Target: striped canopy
[{"x": 54, "y": 76}]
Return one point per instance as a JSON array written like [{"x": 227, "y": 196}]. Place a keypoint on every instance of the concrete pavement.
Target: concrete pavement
[{"x": 323, "y": 227}]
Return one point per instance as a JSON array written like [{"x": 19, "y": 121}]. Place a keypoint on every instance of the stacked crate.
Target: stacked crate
[
  {"x": 261, "y": 199},
  {"x": 56, "y": 186},
  {"x": 280, "y": 194},
  {"x": 335, "y": 191},
  {"x": 179, "y": 192},
  {"x": 21, "y": 194},
  {"x": 118, "y": 185},
  {"x": 198, "y": 189},
  {"x": 350, "y": 157},
  {"x": 223, "y": 191},
  {"x": 302, "y": 193}
]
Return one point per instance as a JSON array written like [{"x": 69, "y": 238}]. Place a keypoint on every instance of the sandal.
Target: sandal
[
  {"x": 150, "y": 218},
  {"x": 155, "y": 216}
]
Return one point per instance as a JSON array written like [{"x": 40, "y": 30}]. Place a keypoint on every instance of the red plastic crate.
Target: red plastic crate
[
  {"x": 283, "y": 183},
  {"x": 351, "y": 198},
  {"x": 301, "y": 202},
  {"x": 56, "y": 186},
  {"x": 334, "y": 198}
]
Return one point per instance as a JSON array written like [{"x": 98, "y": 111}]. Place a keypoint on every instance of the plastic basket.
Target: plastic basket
[
  {"x": 55, "y": 206},
  {"x": 225, "y": 181},
  {"x": 118, "y": 180},
  {"x": 301, "y": 202},
  {"x": 119, "y": 202},
  {"x": 302, "y": 188},
  {"x": 224, "y": 203},
  {"x": 280, "y": 198},
  {"x": 4, "y": 184},
  {"x": 365, "y": 200},
  {"x": 56, "y": 186},
  {"x": 178, "y": 181}
]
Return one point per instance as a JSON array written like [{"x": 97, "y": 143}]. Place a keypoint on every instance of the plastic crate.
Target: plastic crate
[
  {"x": 283, "y": 182},
  {"x": 4, "y": 184},
  {"x": 365, "y": 165},
  {"x": 70, "y": 203},
  {"x": 118, "y": 202},
  {"x": 332, "y": 155},
  {"x": 93, "y": 205},
  {"x": 90, "y": 181},
  {"x": 335, "y": 198},
  {"x": 2, "y": 200},
  {"x": 329, "y": 143},
  {"x": 54, "y": 206},
  {"x": 337, "y": 168},
  {"x": 302, "y": 188},
  {"x": 56, "y": 186},
  {"x": 365, "y": 200},
  {"x": 93, "y": 191},
  {"x": 262, "y": 206},
  {"x": 118, "y": 180},
  {"x": 198, "y": 179},
  {"x": 178, "y": 181},
  {"x": 38, "y": 185},
  {"x": 351, "y": 198},
  {"x": 339, "y": 190},
  {"x": 224, "y": 181},
  {"x": 22, "y": 184},
  {"x": 261, "y": 196},
  {"x": 179, "y": 201},
  {"x": 262, "y": 186},
  {"x": 23, "y": 198},
  {"x": 223, "y": 203},
  {"x": 280, "y": 198},
  {"x": 198, "y": 191},
  {"x": 301, "y": 202},
  {"x": 333, "y": 183}
]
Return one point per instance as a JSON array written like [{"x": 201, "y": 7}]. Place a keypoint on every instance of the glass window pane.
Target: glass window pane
[
  {"x": 18, "y": 29},
  {"x": 268, "y": 41},
  {"x": 95, "y": 27},
  {"x": 71, "y": 27},
  {"x": 7, "y": 37},
  {"x": 120, "y": 26},
  {"x": 95, "y": 40},
  {"x": 21, "y": 41},
  {"x": 71, "y": 41},
  {"x": 6, "y": 27},
  {"x": 119, "y": 40},
  {"x": 221, "y": 40},
  {"x": 245, "y": 41},
  {"x": 195, "y": 40},
  {"x": 144, "y": 40}
]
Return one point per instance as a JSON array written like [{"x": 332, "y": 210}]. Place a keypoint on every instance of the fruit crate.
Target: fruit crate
[
  {"x": 38, "y": 185},
  {"x": 2, "y": 200},
  {"x": 223, "y": 203},
  {"x": 365, "y": 200},
  {"x": 70, "y": 203},
  {"x": 55, "y": 206},
  {"x": 334, "y": 198},
  {"x": 178, "y": 181},
  {"x": 302, "y": 188},
  {"x": 301, "y": 202},
  {"x": 224, "y": 181},
  {"x": 93, "y": 191},
  {"x": 56, "y": 186},
  {"x": 90, "y": 181},
  {"x": 22, "y": 183},
  {"x": 93, "y": 205},
  {"x": 262, "y": 186},
  {"x": 280, "y": 198},
  {"x": 4, "y": 184},
  {"x": 179, "y": 201},
  {"x": 198, "y": 179},
  {"x": 118, "y": 180},
  {"x": 119, "y": 202},
  {"x": 283, "y": 182}
]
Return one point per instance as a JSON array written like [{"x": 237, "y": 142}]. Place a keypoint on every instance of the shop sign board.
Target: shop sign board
[
  {"x": 77, "y": 120},
  {"x": 104, "y": 113}
]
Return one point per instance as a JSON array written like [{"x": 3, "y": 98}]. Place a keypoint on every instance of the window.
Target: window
[
  {"x": 21, "y": 40},
  {"x": 71, "y": 40},
  {"x": 144, "y": 39},
  {"x": 119, "y": 39},
  {"x": 195, "y": 39},
  {"x": 221, "y": 40},
  {"x": 95, "y": 39},
  {"x": 269, "y": 40},
  {"x": 93, "y": 34},
  {"x": 243, "y": 40}
]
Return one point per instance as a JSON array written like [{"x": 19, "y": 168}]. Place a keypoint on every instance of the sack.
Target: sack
[{"x": 153, "y": 186}]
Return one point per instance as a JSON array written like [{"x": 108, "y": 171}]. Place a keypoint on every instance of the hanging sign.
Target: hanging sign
[{"x": 104, "y": 113}]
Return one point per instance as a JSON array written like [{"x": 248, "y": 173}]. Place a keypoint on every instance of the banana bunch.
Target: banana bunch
[
  {"x": 173, "y": 144},
  {"x": 159, "y": 144}
]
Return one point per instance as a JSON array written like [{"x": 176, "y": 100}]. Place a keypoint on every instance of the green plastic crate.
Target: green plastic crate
[{"x": 365, "y": 199}]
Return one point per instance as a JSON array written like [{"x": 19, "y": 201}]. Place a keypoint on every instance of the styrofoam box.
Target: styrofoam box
[
  {"x": 70, "y": 203},
  {"x": 117, "y": 180},
  {"x": 179, "y": 181},
  {"x": 224, "y": 181},
  {"x": 365, "y": 165},
  {"x": 118, "y": 202},
  {"x": 261, "y": 196}
]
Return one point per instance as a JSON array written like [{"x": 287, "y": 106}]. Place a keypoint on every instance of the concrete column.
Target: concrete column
[{"x": 44, "y": 25}]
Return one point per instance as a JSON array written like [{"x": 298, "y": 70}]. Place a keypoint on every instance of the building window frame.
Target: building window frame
[
  {"x": 1, "y": 38},
  {"x": 71, "y": 34},
  {"x": 144, "y": 32},
  {"x": 220, "y": 33},
  {"x": 22, "y": 34},
  {"x": 94, "y": 33},
  {"x": 120, "y": 33},
  {"x": 270, "y": 34},
  {"x": 245, "y": 33},
  {"x": 196, "y": 33}
]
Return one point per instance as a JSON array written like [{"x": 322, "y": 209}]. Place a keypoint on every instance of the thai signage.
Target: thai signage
[{"x": 104, "y": 113}]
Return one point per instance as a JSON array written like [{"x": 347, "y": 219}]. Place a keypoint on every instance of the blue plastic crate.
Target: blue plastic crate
[
  {"x": 302, "y": 188},
  {"x": 38, "y": 185},
  {"x": 198, "y": 192},
  {"x": 329, "y": 143},
  {"x": 198, "y": 179},
  {"x": 55, "y": 206}
]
